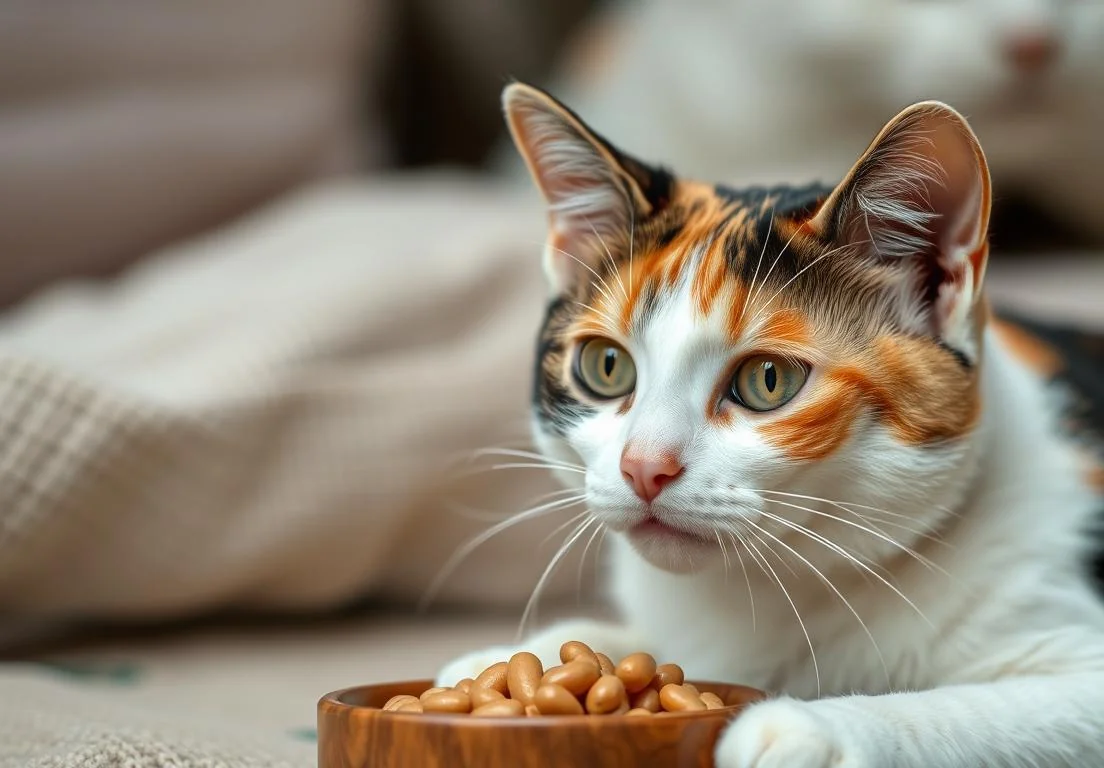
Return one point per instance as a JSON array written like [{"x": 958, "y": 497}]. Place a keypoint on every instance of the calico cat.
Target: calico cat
[
  {"x": 827, "y": 468},
  {"x": 751, "y": 92}
]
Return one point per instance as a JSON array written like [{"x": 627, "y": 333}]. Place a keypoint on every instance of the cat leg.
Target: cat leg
[
  {"x": 613, "y": 639},
  {"x": 1034, "y": 722}
]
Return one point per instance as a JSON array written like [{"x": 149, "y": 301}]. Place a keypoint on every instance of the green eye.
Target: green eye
[
  {"x": 604, "y": 369},
  {"x": 766, "y": 382}
]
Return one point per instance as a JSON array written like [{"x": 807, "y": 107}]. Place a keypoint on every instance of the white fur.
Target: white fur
[
  {"x": 990, "y": 652},
  {"x": 753, "y": 91}
]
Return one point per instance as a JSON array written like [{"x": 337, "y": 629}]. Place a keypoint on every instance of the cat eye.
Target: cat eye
[
  {"x": 766, "y": 382},
  {"x": 604, "y": 369}
]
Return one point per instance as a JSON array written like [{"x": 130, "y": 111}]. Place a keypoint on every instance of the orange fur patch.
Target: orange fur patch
[
  {"x": 786, "y": 326},
  {"x": 1092, "y": 469},
  {"x": 919, "y": 391},
  {"x": 1096, "y": 477},
  {"x": 710, "y": 279},
  {"x": 820, "y": 426},
  {"x": 913, "y": 387},
  {"x": 1027, "y": 348}
]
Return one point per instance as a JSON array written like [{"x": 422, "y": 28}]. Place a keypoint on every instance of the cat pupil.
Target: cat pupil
[
  {"x": 609, "y": 363},
  {"x": 770, "y": 376}
]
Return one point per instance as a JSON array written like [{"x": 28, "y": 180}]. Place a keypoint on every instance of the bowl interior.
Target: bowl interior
[
  {"x": 375, "y": 696},
  {"x": 354, "y": 733}
]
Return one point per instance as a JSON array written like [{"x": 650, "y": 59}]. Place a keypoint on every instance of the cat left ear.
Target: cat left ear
[
  {"x": 595, "y": 193},
  {"x": 919, "y": 197}
]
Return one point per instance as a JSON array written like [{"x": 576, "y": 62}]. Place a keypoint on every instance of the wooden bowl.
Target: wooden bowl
[{"x": 353, "y": 734}]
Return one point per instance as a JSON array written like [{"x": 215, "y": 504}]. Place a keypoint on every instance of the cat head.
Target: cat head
[{"x": 752, "y": 363}]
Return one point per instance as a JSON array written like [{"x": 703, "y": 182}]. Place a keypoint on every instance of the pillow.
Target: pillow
[
  {"x": 127, "y": 125},
  {"x": 269, "y": 417}
]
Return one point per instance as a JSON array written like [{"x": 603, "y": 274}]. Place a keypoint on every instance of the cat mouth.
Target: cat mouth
[{"x": 652, "y": 529}]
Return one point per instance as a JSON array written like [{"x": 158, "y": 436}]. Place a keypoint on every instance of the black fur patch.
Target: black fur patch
[
  {"x": 1082, "y": 356},
  {"x": 789, "y": 202},
  {"x": 555, "y": 406},
  {"x": 772, "y": 257},
  {"x": 959, "y": 356},
  {"x": 667, "y": 235},
  {"x": 1082, "y": 374}
]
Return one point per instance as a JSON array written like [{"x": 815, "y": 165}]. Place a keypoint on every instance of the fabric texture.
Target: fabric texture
[
  {"x": 270, "y": 418},
  {"x": 214, "y": 697}
]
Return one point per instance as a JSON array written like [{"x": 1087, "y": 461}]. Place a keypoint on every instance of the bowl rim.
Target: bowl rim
[{"x": 332, "y": 703}]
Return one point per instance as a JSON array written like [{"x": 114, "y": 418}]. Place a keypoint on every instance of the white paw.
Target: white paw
[
  {"x": 786, "y": 734},
  {"x": 471, "y": 664}
]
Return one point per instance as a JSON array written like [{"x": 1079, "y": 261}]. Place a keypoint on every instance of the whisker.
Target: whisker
[
  {"x": 828, "y": 583},
  {"x": 470, "y": 546},
  {"x": 535, "y": 465},
  {"x": 560, "y": 528},
  {"x": 845, "y": 507},
  {"x": 632, "y": 239},
  {"x": 840, "y": 551},
  {"x": 609, "y": 255},
  {"x": 520, "y": 454},
  {"x": 486, "y": 515},
  {"x": 530, "y": 605},
  {"x": 601, "y": 285},
  {"x": 781, "y": 560},
  {"x": 740, "y": 558},
  {"x": 476, "y": 470},
  {"x": 774, "y": 264},
  {"x": 875, "y": 522},
  {"x": 800, "y": 272},
  {"x": 612, "y": 324},
  {"x": 785, "y": 592},
  {"x": 837, "y": 502},
  {"x": 467, "y": 455},
  {"x": 758, "y": 264},
  {"x": 929, "y": 564},
  {"x": 598, "y": 530},
  {"x": 724, "y": 553},
  {"x": 862, "y": 564},
  {"x": 598, "y": 557}
]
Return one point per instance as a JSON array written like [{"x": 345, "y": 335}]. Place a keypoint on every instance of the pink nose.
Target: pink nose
[
  {"x": 1031, "y": 50},
  {"x": 647, "y": 475}
]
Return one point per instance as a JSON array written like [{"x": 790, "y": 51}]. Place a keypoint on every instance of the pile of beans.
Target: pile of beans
[{"x": 585, "y": 683}]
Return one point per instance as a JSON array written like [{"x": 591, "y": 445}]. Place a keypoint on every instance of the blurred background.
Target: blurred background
[{"x": 270, "y": 280}]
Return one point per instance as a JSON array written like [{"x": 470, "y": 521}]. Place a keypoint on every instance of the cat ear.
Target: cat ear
[
  {"x": 595, "y": 193},
  {"x": 919, "y": 197}
]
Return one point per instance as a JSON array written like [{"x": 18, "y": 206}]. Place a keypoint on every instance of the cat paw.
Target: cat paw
[
  {"x": 471, "y": 664},
  {"x": 786, "y": 734}
]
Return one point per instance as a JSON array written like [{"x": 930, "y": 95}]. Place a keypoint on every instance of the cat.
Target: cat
[
  {"x": 747, "y": 91},
  {"x": 828, "y": 469}
]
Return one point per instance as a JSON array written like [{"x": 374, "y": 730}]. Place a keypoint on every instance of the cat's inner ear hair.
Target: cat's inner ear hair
[
  {"x": 595, "y": 193},
  {"x": 919, "y": 197}
]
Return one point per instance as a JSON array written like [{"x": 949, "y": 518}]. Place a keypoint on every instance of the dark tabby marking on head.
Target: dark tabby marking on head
[{"x": 785, "y": 201}]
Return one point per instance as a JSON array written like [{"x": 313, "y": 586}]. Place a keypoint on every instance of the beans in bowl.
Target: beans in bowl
[{"x": 584, "y": 683}]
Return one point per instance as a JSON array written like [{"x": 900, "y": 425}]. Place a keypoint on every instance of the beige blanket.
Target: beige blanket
[
  {"x": 268, "y": 419},
  {"x": 213, "y": 697}
]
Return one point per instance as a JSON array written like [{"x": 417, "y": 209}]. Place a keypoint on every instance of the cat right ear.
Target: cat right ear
[{"x": 595, "y": 193}]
